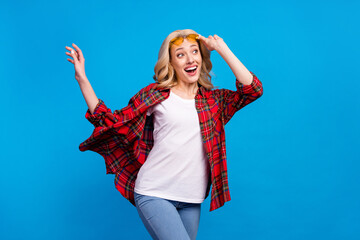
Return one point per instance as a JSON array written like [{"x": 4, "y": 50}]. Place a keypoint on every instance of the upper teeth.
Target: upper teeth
[{"x": 192, "y": 68}]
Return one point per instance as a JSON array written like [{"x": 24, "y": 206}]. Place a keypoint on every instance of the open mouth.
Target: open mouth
[{"x": 191, "y": 70}]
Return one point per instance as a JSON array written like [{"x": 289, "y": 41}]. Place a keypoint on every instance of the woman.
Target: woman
[{"x": 167, "y": 147}]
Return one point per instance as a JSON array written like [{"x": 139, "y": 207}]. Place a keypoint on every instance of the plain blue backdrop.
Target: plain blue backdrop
[{"x": 293, "y": 154}]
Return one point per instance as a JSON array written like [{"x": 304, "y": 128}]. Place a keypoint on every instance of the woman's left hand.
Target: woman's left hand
[{"x": 212, "y": 42}]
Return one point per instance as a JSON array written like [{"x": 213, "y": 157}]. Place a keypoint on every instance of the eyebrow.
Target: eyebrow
[{"x": 183, "y": 48}]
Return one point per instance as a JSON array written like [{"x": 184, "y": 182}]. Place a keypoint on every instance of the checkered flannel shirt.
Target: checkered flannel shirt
[{"x": 125, "y": 137}]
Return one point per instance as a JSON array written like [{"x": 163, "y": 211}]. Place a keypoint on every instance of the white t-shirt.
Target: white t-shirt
[{"x": 177, "y": 166}]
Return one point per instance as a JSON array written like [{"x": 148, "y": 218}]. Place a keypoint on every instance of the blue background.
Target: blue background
[{"x": 293, "y": 154}]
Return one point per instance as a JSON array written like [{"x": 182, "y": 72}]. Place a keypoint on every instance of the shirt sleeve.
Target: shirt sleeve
[
  {"x": 104, "y": 117},
  {"x": 232, "y": 101},
  {"x": 112, "y": 137},
  {"x": 101, "y": 116}
]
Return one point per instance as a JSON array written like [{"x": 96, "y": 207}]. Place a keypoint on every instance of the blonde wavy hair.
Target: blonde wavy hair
[{"x": 164, "y": 72}]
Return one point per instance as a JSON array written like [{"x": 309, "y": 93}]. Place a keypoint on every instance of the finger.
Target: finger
[
  {"x": 70, "y": 60},
  {"x": 216, "y": 36},
  {"x": 202, "y": 38},
  {"x": 73, "y": 54},
  {"x": 70, "y": 49},
  {"x": 76, "y": 54},
  {"x": 78, "y": 50}
]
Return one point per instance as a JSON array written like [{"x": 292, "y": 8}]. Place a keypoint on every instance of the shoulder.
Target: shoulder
[
  {"x": 149, "y": 87},
  {"x": 145, "y": 91},
  {"x": 208, "y": 93}
]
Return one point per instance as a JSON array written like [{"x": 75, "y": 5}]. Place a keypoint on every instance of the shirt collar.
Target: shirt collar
[{"x": 201, "y": 89}]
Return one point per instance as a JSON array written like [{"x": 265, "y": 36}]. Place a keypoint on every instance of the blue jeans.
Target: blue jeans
[{"x": 166, "y": 219}]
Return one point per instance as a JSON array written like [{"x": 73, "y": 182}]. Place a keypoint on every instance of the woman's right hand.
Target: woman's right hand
[{"x": 78, "y": 61}]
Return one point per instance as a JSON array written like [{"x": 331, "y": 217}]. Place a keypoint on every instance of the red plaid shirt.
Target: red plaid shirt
[{"x": 125, "y": 137}]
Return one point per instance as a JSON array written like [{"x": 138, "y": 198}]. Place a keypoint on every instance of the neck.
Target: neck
[{"x": 186, "y": 88}]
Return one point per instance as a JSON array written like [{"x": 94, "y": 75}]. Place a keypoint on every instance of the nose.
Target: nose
[{"x": 190, "y": 59}]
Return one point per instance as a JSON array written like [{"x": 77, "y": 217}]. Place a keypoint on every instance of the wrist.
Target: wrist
[
  {"x": 82, "y": 80},
  {"x": 222, "y": 49}
]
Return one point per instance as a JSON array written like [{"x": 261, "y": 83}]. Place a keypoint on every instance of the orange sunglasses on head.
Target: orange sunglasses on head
[{"x": 179, "y": 40}]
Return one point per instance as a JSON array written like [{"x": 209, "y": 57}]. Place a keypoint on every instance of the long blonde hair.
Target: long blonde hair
[{"x": 165, "y": 73}]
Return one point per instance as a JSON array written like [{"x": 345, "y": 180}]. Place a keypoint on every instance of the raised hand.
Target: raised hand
[
  {"x": 217, "y": 43},
  {"x": 212, "y": 42},
  {"x": 78, "y": 61}
]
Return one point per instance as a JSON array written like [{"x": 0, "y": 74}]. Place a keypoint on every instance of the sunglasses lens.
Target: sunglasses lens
[
  {"x": 192, "y": 37},
  {"x": 179, "y": 40}
]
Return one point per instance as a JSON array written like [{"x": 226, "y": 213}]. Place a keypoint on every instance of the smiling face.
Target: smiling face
[{"x": 186, "y": 60}]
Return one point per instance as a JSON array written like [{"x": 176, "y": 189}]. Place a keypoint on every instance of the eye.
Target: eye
[
  {"x": 179, "y": 55},
  {"x": 196, "y": 51}
]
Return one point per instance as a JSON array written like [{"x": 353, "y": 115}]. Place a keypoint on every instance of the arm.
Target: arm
[
  {"x": 232, "y": 101},
  {"x": 102, "y": 116},
  {"x": 89, "y": 94},
  {"x": 248, "y": 86},
  {"x": 114, "y": 136},
  {"x": 85, "y": 86},
  {"x": 239, "y": 70}
]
